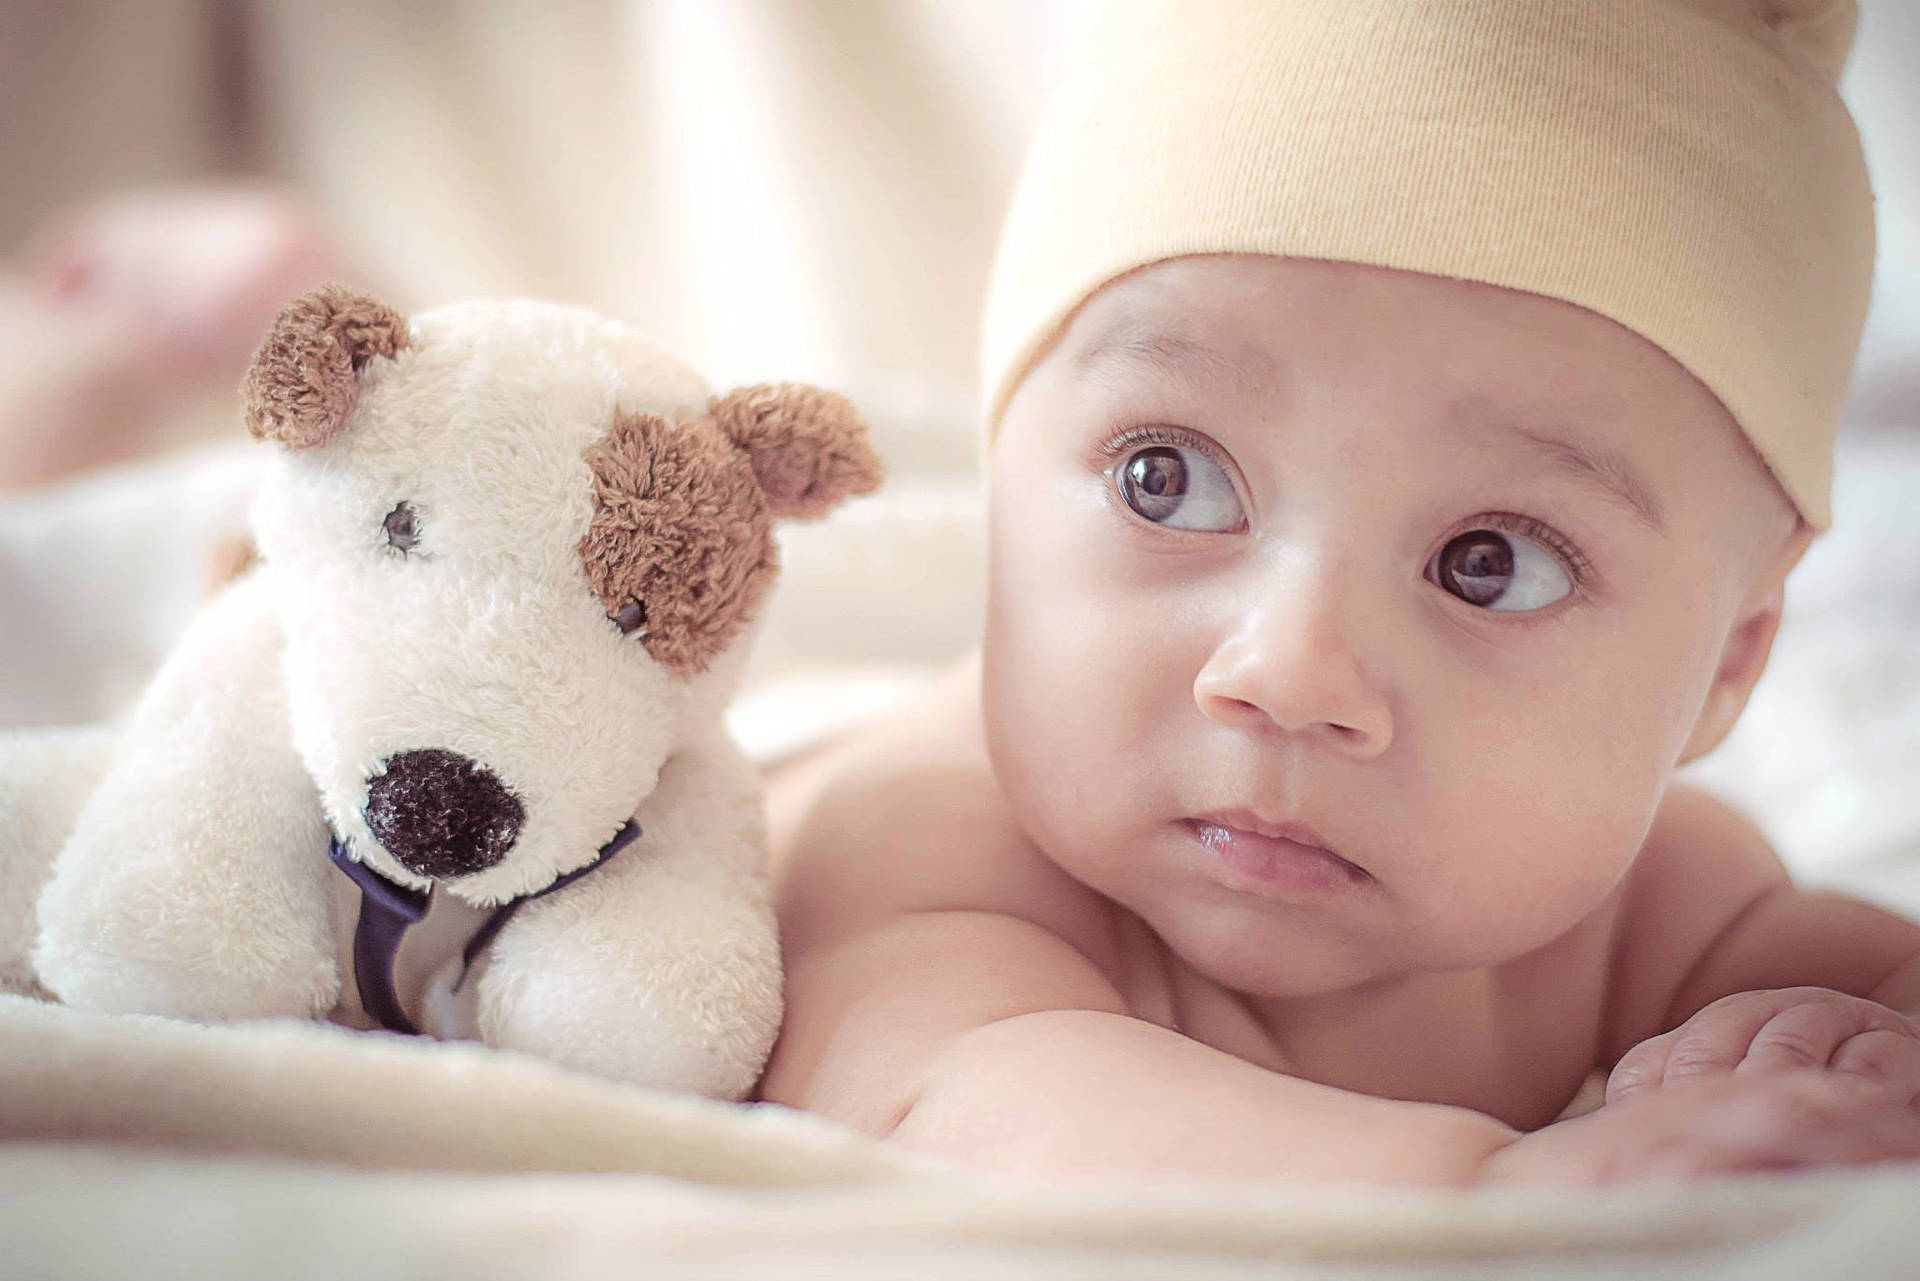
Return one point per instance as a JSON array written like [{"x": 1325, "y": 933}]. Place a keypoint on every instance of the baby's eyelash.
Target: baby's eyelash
[
  {"x": 1118, "y": 446},
  {"x": 1576, "y": 561}
]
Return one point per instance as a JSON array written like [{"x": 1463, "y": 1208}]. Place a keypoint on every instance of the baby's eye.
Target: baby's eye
[
  {"x": 1181, "y": 488},
  {"x": 1500, "y": 571}
]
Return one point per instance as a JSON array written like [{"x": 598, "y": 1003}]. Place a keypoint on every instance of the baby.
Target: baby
[{"x": 1403, "y": 418}]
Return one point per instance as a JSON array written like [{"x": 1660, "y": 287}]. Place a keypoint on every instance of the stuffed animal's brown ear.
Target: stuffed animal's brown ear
[
  {"x": 808, "y": 447},
  {"x": 301, "y": 384}
]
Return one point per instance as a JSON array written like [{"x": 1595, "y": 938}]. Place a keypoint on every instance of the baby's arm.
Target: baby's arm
[
  {"x": 1728, "y": 967},
  {"x": 986, "y": 1038}
]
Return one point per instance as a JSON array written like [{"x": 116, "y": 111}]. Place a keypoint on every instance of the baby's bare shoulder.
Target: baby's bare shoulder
[
  {"x": 912, "y": 912},
  {"x": 1702, "y": 865},
  {"x": 904, "y": 818}
]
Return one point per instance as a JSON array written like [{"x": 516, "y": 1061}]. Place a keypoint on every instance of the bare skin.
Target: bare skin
[{"x": 1295, "y": 550}]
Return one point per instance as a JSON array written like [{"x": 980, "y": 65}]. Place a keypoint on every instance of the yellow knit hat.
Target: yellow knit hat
[{"x": 1683, "y": 167}]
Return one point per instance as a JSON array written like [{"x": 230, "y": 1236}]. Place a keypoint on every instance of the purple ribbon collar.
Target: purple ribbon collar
[{"x": 388, "y": 908}]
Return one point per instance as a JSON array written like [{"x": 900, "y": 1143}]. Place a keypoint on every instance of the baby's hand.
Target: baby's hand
[
  {"x": 1751, "y": 1033},
  {"x": 1731, "y": 1123}
]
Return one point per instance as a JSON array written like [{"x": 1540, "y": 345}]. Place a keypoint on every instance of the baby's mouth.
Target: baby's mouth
[{"x": 1281, "y": 856}]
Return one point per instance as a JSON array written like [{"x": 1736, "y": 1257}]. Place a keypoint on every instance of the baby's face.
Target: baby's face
[{"x": 1432, "y": 575}]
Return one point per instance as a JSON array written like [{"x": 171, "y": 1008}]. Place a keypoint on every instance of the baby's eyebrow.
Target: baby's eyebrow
[
  {"x": 1171, "y": 355},
  {"x": 1605, "y": 470}
]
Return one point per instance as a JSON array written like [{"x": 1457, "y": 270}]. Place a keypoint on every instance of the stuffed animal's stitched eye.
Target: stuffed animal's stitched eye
[
  {"x": 403, "y": 531},
  {"x": 631, "y": 617}
]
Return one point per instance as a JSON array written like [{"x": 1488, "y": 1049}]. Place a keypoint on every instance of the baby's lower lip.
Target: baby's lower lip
[{"x": 1275, "y": 863}]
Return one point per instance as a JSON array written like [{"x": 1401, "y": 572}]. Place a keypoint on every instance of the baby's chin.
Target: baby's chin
[
  {"x": 1257, "y": 956},
  {"x": 1247, "y": 943},
  {"x": 1291, "y": 948}
]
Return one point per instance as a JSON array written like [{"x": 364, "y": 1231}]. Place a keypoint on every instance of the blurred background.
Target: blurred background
[
  {"x": 804, "y": 189},
  {"x": 789, "y": 188}
]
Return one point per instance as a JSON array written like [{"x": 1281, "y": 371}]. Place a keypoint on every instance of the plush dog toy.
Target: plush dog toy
[{"x": 510, "y": 552}]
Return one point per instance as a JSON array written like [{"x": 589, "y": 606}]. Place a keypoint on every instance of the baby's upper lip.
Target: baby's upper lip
[{"x": 1289, "y": 830}]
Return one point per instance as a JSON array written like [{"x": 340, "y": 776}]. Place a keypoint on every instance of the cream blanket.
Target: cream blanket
[{"x": 301, "y": 1150}]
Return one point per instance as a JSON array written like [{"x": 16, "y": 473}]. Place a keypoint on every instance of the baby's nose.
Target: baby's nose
[
  {"x": 441, "y": 814},
  {"x": 1290, "y": 668}
]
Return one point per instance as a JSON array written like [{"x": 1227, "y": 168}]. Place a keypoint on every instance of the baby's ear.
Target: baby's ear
[
  {"x": 808, "y": 447},
  {"x": 303, "y": 379},
  {"x": 1743, "y": 655}
]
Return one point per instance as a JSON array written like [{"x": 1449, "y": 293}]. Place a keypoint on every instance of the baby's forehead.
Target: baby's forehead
[
  {"x": 1273, "y": 320},
  {"x": 1271, "y": 331},
  {"x": 1251, "y": 303}
]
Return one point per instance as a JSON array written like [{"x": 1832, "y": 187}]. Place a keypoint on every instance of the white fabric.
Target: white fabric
[
  {"x": 98, "y": 577},
  {"x": 302, "y": 1150}
]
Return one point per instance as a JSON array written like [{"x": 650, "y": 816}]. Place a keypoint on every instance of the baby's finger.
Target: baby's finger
[
  {"x": 1713, "y": 1041},
  {"x": 1639, "y": 1068},
  {"x": 1883, "y": 1055},
  {"x": 1812, "y": 1120},
  {"x": 1800, "y": 1036}
]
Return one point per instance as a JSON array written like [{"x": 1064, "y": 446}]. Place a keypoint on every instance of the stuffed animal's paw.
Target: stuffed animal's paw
[{"x": 678, "y": 988}]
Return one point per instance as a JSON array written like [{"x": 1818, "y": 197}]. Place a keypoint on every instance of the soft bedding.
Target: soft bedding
[
  {"x": 134, "y": 1146},
  {"x": 293, "y": 1150}
]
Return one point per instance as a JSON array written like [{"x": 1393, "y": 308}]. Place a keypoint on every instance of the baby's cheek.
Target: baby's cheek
[
  {"x": 1070, "y": 757},
  {"x": 1072, "y": 704},
  {"x": 1520, "y": 846},
  {"x": 1043, "y": 738}
]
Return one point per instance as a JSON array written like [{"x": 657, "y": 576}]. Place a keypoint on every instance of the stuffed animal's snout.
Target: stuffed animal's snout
[{"x": 441, "y": 814}]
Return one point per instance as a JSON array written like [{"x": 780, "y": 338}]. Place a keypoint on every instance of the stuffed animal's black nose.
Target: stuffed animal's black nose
[{"x": 441, "y": 814}]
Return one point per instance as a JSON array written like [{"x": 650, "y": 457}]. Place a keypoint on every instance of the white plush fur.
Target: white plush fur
[
  {"x": 45, "y": 777},
  {"x": 188, "y": 884},
  {"x": 195, "y": 881},
  {"x": 644, "y": 966},
  {"x": 485, "y": 639}
]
